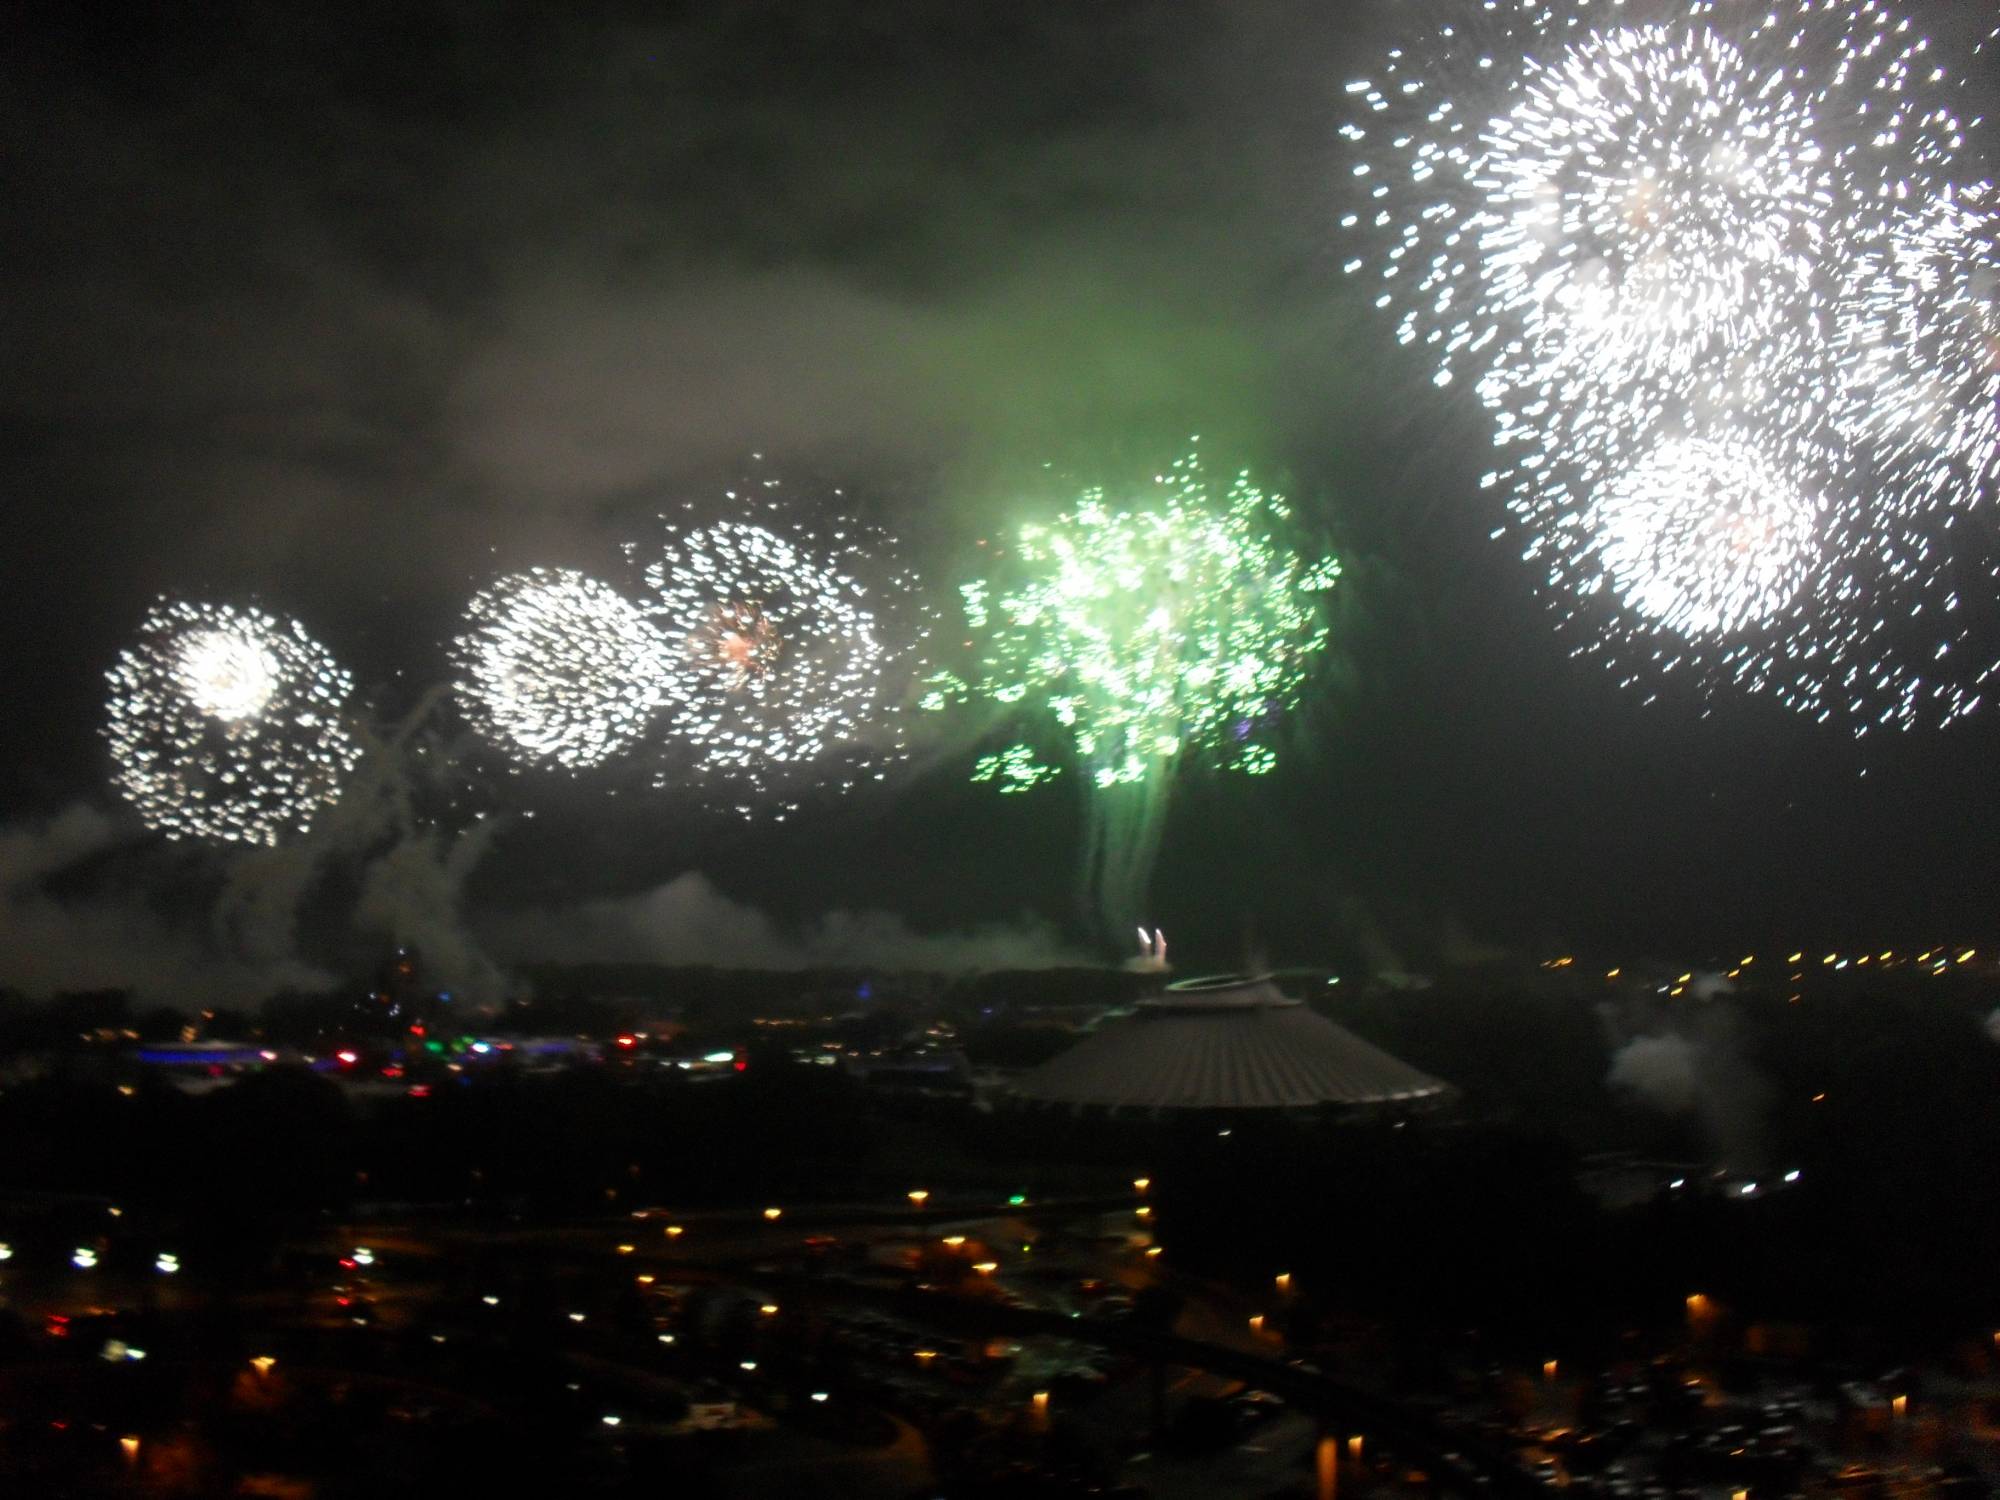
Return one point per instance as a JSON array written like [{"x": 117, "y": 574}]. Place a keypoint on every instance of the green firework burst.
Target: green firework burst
[{"x": 1126, "y": 638}]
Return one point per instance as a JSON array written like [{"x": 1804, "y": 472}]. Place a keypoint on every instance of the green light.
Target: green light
[
  {"x": 1125, "y": 638},
  {"x": 1017, "y": 1200},
  {"x": 1179, "y": 624}
]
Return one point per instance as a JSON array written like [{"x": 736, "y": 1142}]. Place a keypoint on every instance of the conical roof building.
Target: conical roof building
[{"x": 1228, "y": 1044}]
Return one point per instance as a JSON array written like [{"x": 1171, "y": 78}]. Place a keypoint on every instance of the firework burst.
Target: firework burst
[
  {"x": 1134, "y": 636},
  {"x": 225, "y": 724},
  {"x": 558, "y": 668},
  {"x": 788, "y": 653},
  {"x": 1704, "y": 536},
  {"x": 1702, "y": 266}
]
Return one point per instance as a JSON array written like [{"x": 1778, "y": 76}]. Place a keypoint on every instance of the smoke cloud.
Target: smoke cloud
[
  {"x": 689, "y": 921},
  {"x": 1698, "y": 1069},
  {"x": 112, "y": 935}
]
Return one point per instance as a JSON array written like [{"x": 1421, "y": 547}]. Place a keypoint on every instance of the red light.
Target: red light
[
  {"x": 348, "y": 1263},
  {"x": 348, "y": 1059},
  {"x": 417, "y": 1029},
  {"x": 741, "y": 1065},
  {"x": 628, "y": 1040},
  {"x": 392, "y": 1072},
  {"x": 344, "y": 1301},
  {"x": 420, "y": 1091}
]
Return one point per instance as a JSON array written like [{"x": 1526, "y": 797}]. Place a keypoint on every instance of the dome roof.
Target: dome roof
[{"x": 1232, "y": 1042}]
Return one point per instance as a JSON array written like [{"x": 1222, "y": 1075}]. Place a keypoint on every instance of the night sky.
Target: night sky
[{"x": 344, "y": 314}]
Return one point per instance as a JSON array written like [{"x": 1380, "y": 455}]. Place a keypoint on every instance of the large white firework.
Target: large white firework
[
  {"x": 558, "y": 668},
  {"x": 1628, "y": 184},
  {"x": 788, "y": 654},
  {"x": 1690, "y": 251},
  {"x": 226, "y": 723}
]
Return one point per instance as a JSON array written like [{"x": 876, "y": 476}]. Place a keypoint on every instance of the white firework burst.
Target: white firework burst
[
  {"x": 784, "y": 668},
  {"x": 1704, "y": 536},
  {"x": 1651, "y": 235},
  {"x": 1649, "y": 201},
  {"x": 558, "y": 668},
  {"x": 1630, "y": 185},
  {"x": 226, "y": 723}
]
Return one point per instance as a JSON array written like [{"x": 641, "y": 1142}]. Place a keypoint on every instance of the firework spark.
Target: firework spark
[
  {"x": 225, "y": 724},
  {"x": 1918, "y": 335},
  {"x": 1136, "y": 636},
  {"x": 559, "y": 668},
  {"x": 783, "y": 667}
]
